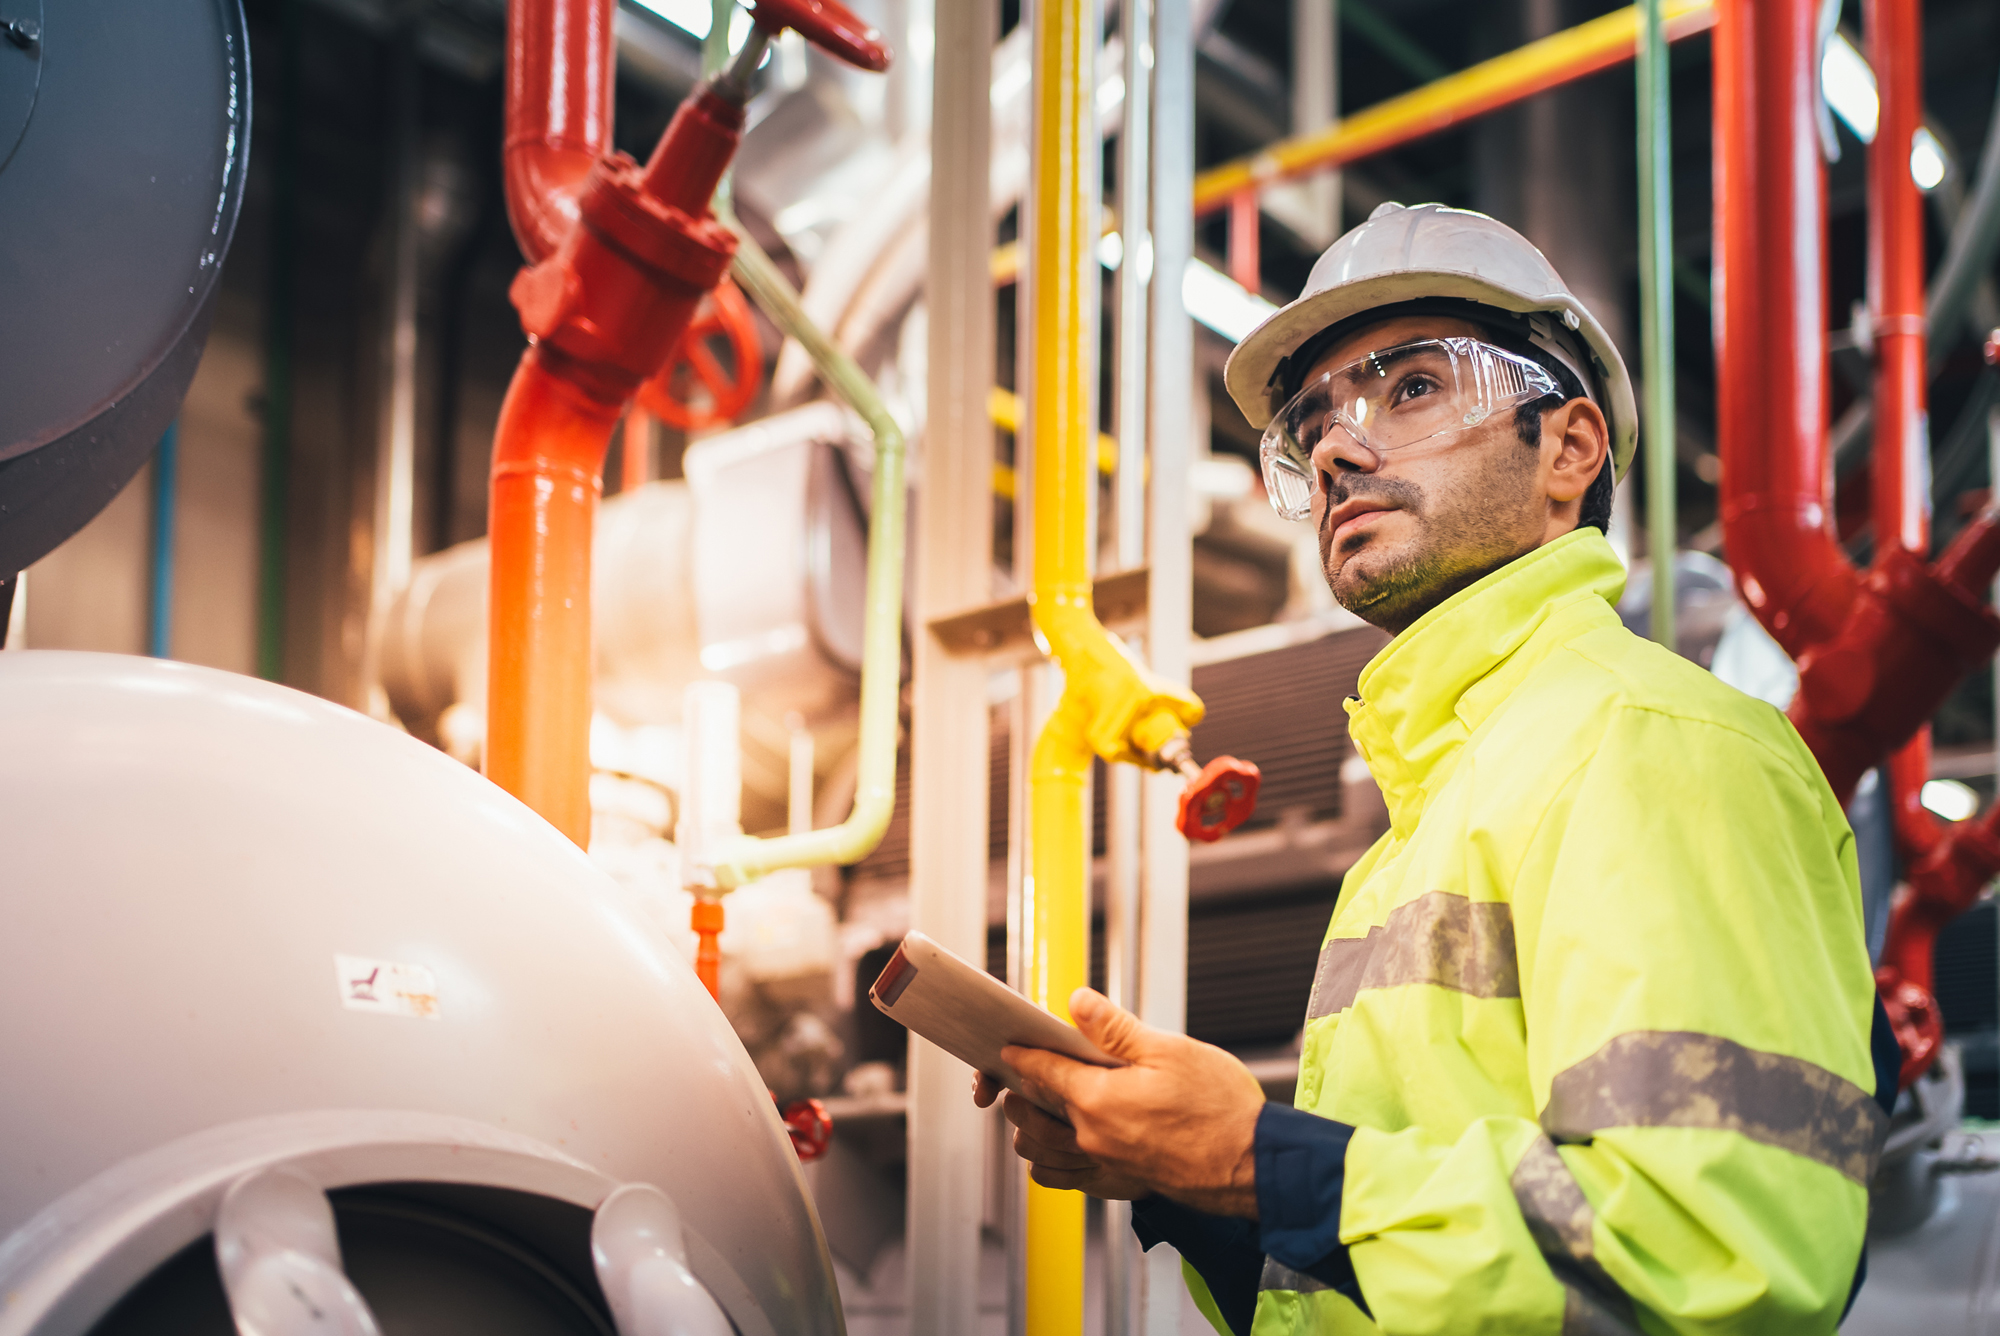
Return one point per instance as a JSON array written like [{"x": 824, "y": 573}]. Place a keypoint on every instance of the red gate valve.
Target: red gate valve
[
  {"x": 695, "y": 390},
  {"x": 1219, "y": 796},
  {"x": 615, "y": 299},
  {"x": 810, "y": 1126}
]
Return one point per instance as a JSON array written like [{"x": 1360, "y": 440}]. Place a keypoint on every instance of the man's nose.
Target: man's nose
[{"x": 1339, "y": 452}]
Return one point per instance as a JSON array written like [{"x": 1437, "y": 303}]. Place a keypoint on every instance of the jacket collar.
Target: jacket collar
[{"x": 1430, "y": 687}]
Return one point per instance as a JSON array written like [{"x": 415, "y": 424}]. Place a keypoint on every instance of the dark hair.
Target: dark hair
[{"x": 1597, "y": 498}]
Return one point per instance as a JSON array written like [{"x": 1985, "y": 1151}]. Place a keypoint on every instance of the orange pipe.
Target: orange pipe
[
  {"x": 548, "y": 460},
  {"x": 559, "y": 85}
]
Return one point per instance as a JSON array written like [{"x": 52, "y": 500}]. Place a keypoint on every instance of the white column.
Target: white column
[
  {"x": 952, "y": 557},
  {"x": 1162, "y": 983}
]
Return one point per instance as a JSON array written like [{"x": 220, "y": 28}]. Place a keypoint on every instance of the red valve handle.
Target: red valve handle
[
  {"x": 828, "y": 25},
  {"x": 675, "y": 393},
  {"x": 1913, "y": 1015},
  {"x": 1219, "y": 799},
  {"x": 811, "y": 1127}
]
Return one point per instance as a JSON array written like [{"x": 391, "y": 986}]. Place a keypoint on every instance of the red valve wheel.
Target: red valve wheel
[
  {"x": 811, "y": 1127},
  {"x": 829, "y": 26},
  {"x": 694, "y": 391},
  {"x": 1219, "y": 799},
  {"x": 1918, "y": 1025}
]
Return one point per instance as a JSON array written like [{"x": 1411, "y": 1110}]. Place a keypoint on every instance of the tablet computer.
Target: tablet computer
[{"x": 970, "y": 1014}]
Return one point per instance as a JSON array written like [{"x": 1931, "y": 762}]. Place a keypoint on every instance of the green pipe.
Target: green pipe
[
  {"x": 1656, "y": 308},
  {"x": 747, "y": 858}
]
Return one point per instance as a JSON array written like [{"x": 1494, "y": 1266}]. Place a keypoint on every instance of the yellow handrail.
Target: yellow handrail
[{"x": 1523, "y": 72}]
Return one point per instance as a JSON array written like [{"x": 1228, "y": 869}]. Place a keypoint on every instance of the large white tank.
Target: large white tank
[{"x": 245, "y": 931}]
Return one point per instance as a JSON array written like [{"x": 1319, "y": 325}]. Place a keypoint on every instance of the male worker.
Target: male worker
[{"x": 1588, "y": 1049}]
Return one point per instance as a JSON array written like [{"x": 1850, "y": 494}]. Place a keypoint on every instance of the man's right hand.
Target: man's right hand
[{"x": 1049, "y": 1146}]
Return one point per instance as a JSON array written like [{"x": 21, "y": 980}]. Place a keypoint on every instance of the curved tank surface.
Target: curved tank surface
[{"x": 245, "y": 931}]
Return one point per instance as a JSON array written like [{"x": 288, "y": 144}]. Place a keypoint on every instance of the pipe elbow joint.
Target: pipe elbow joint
[
  {"x": 545, "y": 184},
  {"x": 1123, "y": 712}
]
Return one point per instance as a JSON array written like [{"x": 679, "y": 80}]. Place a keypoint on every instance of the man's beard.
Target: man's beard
[{"x": 1457, "y": 542}]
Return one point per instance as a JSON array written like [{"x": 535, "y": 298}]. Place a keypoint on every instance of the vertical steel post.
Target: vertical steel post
[
  {"x": 949, "y": 739},
  {"x": 274, "y": 482},
  {"x": 1656, "y": 306},
  {"x": 1170, "y": 552},
  {"x": 396, "y": 442},
  {"x": 1123, "y": 784},
  {"x": 160, "y": 606}
]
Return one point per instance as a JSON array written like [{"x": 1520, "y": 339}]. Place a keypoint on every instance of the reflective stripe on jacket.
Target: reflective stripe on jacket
[{"x": 1598, "y": 1005}]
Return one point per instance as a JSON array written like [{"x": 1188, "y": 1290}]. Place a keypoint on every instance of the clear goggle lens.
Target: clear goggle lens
[{"x": 1390, "y": 400}]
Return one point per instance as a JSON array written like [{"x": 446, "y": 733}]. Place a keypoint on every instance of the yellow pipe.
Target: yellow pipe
[
  {"x": 1004, "y": 407},
  {"x": 1534, "y": 68},
  {"x": 1109, "y": 706}
]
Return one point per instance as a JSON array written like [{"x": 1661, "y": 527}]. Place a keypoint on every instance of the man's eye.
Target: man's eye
[{"x": 1413, "y": 387}]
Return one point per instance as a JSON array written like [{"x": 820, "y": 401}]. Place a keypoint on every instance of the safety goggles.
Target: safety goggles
[{"x": 1390, "y": 400}]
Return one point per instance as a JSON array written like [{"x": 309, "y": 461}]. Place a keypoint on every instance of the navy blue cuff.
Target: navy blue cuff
[
  {"x": 1225, "y": 1252},
  {"x": 1301, "y": 1168}
]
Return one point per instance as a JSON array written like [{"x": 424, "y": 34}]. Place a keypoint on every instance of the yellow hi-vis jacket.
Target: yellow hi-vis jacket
[{"x": 1598, "y": 1005}]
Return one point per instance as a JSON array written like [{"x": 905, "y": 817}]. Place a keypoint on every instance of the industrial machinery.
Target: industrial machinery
[
  {"x": 307, "y": 1026},
  {"x": 283, "y": 987}
]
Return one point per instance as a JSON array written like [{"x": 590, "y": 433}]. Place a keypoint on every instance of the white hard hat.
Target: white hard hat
[{"x": 1428, "y": 251}]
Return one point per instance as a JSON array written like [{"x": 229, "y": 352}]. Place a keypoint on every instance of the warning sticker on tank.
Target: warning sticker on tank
[{"x": 387, "y": 987}]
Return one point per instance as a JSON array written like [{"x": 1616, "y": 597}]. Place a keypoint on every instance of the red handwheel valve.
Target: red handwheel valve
[
  {"x": 1219, "y": 797},
  {"x": 811, "y": 1128},
  {"x": 697, "y": 390}
]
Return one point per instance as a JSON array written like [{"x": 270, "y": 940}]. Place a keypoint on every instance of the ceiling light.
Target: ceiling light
[
  {"x": 1111, "y": 251},
  {"x": 1927, "y": 160},
  {"x": 1219, "y": 302},
  {"x": 1949, "y": 799},
  {"x": 1848, "y": 85}
]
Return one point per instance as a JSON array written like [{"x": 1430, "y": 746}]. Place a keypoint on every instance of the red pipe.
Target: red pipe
[
  {"x": 559, "y": 86},
  {"x": 620, "y": 257},
  {"x": 1896, "y": 279},
  {"x": 1770, "y": 321}
]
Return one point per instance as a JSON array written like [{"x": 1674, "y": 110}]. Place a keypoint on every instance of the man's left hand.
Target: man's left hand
[{"x": 1181, "y": 1118}]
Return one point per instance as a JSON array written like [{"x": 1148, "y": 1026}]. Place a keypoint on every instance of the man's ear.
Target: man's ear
[{"x": 1575, "y": 441}]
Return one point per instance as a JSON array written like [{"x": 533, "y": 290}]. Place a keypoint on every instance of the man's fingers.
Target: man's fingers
[
  {"x": 984, "y": 1090},
  {"x": 1066, "y": 1180},
  {"x": 1050, "y": 1074},
  {"x": 1108, "y": 1025},
  {"x": 1031, "y": 1117},
  {"x": 1037, "y": 1152}
]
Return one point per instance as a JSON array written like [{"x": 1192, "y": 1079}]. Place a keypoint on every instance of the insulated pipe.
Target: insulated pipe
[
  {"x": 1770, "y": 321},
  {"x": 559, "y": 89},
  {"x": 747, "y": 858}
]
